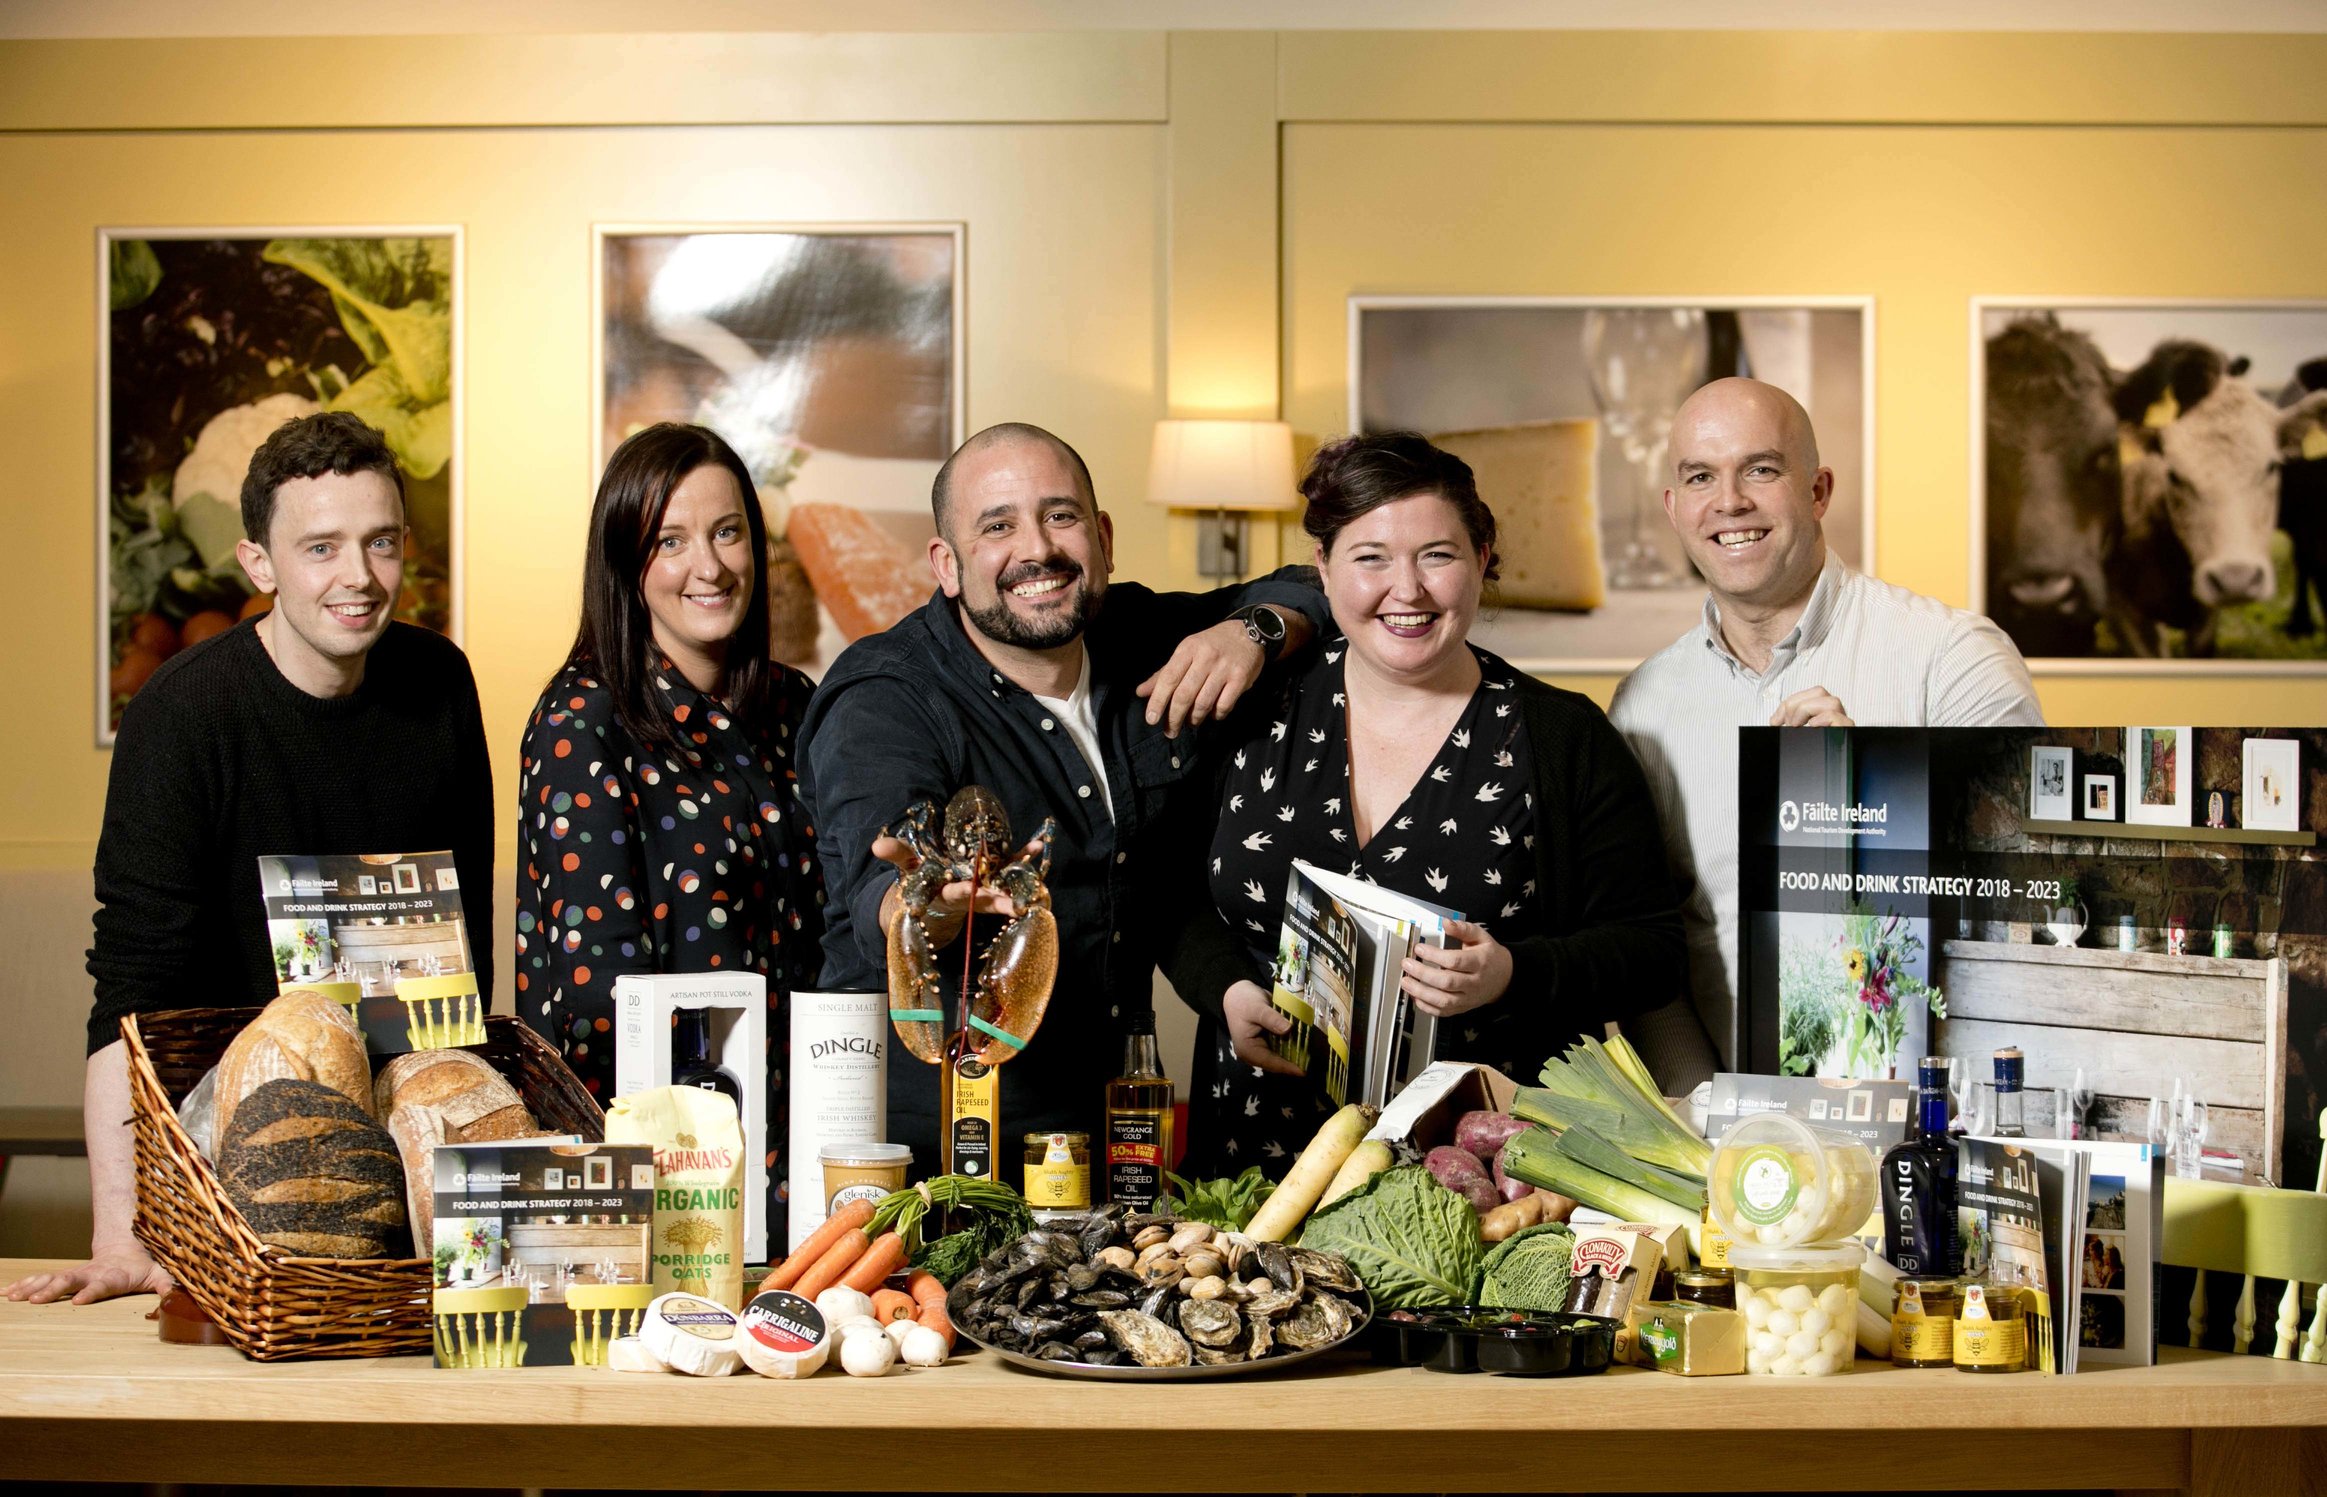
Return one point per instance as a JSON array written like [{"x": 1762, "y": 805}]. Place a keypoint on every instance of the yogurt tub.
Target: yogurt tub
[
  {"x": 1778, "y": 1182},
  {"x": 1800, "y": 1306},
  {"x": 862, "y": 1172}
]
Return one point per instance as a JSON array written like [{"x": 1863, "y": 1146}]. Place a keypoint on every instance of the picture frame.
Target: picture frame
[
  {"x": 2100, "y": 797},
  {"x": 2050, "y": 772},
  {"x": 598, "y": 1172},
  {"x": 2157, "y": 775},
  {"x": 553, "y": 1178},
  {"x": 1549, "y": 386},
  {"x": 2046, "y": 559},
  {"x": 407, "y": 877},
  {"x": 2270, "y": 785}
]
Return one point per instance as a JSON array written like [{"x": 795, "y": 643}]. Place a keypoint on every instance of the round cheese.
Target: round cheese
[
  {"x": 691, "y": 1334},
  {"x": 629, "y": 1354},
  {"x": 782, "y": 1335}
]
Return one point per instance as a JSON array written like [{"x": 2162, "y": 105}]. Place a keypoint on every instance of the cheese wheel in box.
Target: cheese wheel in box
[{"x": 1540, "y": 478}]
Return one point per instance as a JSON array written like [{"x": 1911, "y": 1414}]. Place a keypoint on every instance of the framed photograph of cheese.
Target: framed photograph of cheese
[
  {"x": 2268, "y": 800},
  {"x": 2049, "y": 771},
  {"x": 1562, "y": 407},
  {"x": 2144, "y": 475},
  {"x": 210, "y": 338},
  {"x": 831, "y": 357},
  {"x": 2157, "y": 775},
  {"x": 2100, "y": 797}
]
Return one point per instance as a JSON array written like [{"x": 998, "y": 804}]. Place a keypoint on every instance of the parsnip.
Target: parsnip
[
  {"x": 1293, "y": 1200},
  {"x": 1365, "y": 1161}
]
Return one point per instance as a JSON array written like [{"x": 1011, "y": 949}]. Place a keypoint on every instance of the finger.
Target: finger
[
  {"x": 1231, "y": 693},
  {"x": 1165, "y": 682},
  {"x": 1464, "y": 932},
  {"x": 1426, "y": 985},
  {"x": 1185, "y": 694},
  {"x": 893, "y": 850},
  {"x": 1258, "y": 1055}
]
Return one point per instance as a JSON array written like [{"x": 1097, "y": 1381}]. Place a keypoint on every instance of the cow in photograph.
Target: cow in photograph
[
  {"x": 2303, "y": 496},
  {"x": 2053, "y": 505},
  {"x": 2200, "y": 454}
]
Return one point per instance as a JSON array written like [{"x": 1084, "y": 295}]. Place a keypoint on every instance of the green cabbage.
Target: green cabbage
[
  {"x": 1529, "y": 1270},
  {"x": 394, "y": 297},
  {"x": 1412, "y": 1241}
]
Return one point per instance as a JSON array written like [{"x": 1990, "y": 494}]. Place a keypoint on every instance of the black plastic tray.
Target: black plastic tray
[{"x": 1468, "y": 1338}]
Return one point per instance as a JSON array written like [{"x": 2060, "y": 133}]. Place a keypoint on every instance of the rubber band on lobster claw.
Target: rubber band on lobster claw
[{"x": 1010, "y": 988}]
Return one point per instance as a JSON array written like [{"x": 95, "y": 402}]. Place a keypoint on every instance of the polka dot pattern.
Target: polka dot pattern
[{"x": 616, "y": 877}]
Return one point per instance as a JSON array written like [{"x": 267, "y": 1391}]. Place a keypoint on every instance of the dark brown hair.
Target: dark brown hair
[
  {"x": 309, "y": 447},
  {"x": 1356, "y": 475},
  {"x": 616, "y": 638}
]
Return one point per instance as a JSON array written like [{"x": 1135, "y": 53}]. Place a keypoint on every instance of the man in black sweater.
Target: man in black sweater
[{"x": 319, "y": 727}]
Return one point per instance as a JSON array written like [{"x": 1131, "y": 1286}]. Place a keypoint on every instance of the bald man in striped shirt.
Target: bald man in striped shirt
[{"x": 1791, "y": 637}]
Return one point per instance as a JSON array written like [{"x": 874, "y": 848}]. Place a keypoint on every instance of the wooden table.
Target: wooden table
[{"x": 91, "y": 1394}]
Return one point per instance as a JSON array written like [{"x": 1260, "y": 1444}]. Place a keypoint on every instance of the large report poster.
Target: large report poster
[{"x": 1905, "y": 892}]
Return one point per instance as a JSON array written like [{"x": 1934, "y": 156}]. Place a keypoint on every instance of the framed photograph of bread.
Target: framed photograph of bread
[
  {"x": 2100, "y": 797},
  {"x": 1563, "y": 408},
  {"x": 2148, "y": 481},
  {"x": 2269, "y": 799},
  {"x": 831, "y": 357},
  {"x": 208, "y": 338},
  {"x": 2048, "y": 781},
  {"x": 2157, "y": 775}
]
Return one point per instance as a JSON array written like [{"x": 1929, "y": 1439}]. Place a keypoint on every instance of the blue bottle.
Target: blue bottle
[{"x": 1919, "y": 1186}]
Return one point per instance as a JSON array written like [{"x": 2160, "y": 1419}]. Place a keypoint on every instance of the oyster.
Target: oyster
[
  {"x": 1147, "y": 1340},
  {"x": 1216, "y": 1356},
  {"x": 1211, "y": 1322},
  {"x": 1277, "y": 1266},
  {"x": 1258, "y": 1337},
  {"x": 1308, "y": 1326},
  {"x": 1325, "y": 1270},
  {"x": 1271, "y": 1302}
]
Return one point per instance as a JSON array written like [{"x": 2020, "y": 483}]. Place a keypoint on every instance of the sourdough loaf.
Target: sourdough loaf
[
  {"x": 312, "y": 1172},
  {"x": 434, "y": 1097},
  {"x": 301, "y": 1036}
]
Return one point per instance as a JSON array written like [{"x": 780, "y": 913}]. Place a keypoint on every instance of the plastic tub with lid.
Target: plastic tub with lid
[
  {"x": 1778, "y": 1182},
  {"x": 1800, "y": 1306}
]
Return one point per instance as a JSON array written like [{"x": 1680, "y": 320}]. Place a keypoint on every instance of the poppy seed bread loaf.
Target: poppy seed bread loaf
[{"x": 313, "y": 1173}]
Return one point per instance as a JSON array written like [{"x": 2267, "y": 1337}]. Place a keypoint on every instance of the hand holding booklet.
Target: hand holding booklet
[{"x": 1340, "y": 969}]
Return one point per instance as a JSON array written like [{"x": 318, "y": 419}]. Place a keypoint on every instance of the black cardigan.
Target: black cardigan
[{"x": 1611, "y": 947}]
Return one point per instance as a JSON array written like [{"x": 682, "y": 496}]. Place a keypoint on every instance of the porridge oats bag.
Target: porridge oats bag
[{"x": 698, "y": 1186}]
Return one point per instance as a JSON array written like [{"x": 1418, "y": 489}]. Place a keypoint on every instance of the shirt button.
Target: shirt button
[
  {"x": 1119, "y": 857},
  {"x": 1047, "y": 725},
  {"x": 1117, "y": 937},
  {"x": 1084, "y": 791},
  {"x": 1175, "y": 761}
]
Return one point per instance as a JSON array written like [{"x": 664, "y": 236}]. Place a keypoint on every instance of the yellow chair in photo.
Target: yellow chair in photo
[
  {"x": 442, "y": 1012},
  {"x": 349, "y": 995},
  {"x": 2258, "y": 1233},
  {"x": 479, "y": 1327},
  {"x": 603, "y": 1312}
]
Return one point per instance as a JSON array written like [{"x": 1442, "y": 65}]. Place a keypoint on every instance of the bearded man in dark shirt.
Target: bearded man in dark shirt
[
  {"x": 319, "y": 727},
  {"x": 1069, "y": 698}
]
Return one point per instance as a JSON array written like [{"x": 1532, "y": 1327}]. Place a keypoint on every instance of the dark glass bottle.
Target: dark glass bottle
[
  {"x": 1139, "y": 1120},
  {"x": 1919, "y": 1186},
  {"x": 691, "y": 1062}
]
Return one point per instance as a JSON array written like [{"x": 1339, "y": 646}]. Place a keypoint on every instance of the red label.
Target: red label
[
  {"x": 783, "y": 1322},
  {"x": 1124, "y": 1153}
]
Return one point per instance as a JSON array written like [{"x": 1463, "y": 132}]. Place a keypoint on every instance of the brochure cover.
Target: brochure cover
[
  {"x": 2019, "y": 1226},
  {"x": 541, "y": 1251},
  {"x": 1340, "y": 956},
  {"x": 382, "y": 933}
]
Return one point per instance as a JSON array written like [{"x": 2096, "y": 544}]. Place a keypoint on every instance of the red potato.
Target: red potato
[
  {"x": 1459, "y": 1170},
  {"x": 1484, "y": 1133},
  {"x": 1506, "y": 1187}
]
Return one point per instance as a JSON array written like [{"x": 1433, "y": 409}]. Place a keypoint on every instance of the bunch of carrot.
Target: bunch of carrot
[{"x": 842, "y": 1252}]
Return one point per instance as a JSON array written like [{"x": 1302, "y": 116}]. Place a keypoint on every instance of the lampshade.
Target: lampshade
[{"x": 1241, "y": 465}]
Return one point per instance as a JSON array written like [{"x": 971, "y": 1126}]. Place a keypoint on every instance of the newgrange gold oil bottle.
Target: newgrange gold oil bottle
[{"x": 1139, "y": 1119}]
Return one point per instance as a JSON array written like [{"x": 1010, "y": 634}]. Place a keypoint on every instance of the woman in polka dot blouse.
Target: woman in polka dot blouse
[{"x": 657, "y": 825}]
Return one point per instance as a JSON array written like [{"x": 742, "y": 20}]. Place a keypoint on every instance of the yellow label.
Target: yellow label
[
  {"x": 1922, "y": 1338},
  {"x": 1993, "y": 1343},
  {"x": 974, "y": 1091},
  {"x": 1052, "y": 1187},
  {"x": 1713, "y": 1244}
]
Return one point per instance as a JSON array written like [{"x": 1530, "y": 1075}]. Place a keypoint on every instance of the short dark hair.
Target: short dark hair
[
  {"x": 616, "y": 635},
  {"x": 941, "y": 492},
  {"x": 1356, "y": 475},
  {"x": 309, "y": 447}
]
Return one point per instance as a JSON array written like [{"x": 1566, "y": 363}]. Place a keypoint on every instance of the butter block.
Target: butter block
[
  {"x": 1676, "y": 1336},
  {"x": 1541, "y": 479}
]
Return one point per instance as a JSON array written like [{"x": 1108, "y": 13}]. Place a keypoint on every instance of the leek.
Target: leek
[
  {"x": 1533, "y": 1157},
  {"x": 1595, "y": 1153},
  {"x": 1593, "y": 1078}
]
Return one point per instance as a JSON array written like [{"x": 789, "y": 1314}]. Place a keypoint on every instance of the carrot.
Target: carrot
[
  {"x": 785, "y": 1274},
  {"x": 928, "y": 1292},
  {"x": 892, "y": 1305},
  {"x": 884, "y": 1257},
  {"x": 826, "y": 1271}
]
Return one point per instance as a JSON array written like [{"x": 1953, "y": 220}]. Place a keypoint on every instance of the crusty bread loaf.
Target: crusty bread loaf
[
  {"x": 301, "y": 1036},
  {"x": 313, "y": 1173},
  {"x": 433, "y": 1097}
]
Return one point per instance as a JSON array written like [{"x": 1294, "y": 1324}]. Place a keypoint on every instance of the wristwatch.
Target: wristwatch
[{"x": 1265, "y": 627}]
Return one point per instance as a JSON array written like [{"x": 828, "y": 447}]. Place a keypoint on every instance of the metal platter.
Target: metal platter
[{"x": 1095, "y": 1373}]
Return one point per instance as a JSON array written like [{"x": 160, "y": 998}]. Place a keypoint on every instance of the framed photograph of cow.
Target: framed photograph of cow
[
  {"x": 2149, "y": 483},
  {"x": 1563, "y": 407},
  {"x": 2157, "y": 775}
]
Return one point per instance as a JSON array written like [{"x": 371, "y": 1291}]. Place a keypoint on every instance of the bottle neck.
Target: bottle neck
[
  {"x": 1141, "y": 1055},
  {"x": 1932, "y": 1113},
  {"x": 691, "y": 1037}
]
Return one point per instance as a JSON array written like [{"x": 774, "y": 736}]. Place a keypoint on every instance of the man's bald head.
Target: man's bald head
[
  {"x": 1737, "y": 406},
  {"x": 1007, "y": 433}
]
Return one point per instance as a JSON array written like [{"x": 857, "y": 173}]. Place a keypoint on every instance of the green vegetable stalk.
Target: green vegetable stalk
[{"x": 992, "y": 1213}]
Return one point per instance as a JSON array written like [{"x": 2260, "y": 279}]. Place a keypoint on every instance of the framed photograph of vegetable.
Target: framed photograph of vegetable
[
  {"x": 831, "y": 357},
  {"x": 210, "y": 338},
  {"x": 2268, "y": 798},
  {"x": 2157, "y": 775},
  {"x": 2048, "y": 778}
]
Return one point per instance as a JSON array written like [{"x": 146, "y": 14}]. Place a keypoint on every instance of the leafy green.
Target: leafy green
[
  {"x": 213, "y": 525},
  {"x": 1412, "y": 1240},
  {"x": 1227, "y": 1204},
  {"x": 986, "y": 1214},
  {"x": 1612, "y": 1075},
  {"x": 1529, "y": 1270},
  {"x": 146, "y": 547},
  {"x": 133, "y": 273},
  {"x": 394, "y": 297}
]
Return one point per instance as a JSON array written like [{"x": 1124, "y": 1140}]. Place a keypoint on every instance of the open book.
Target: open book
[
  {"x": 1340, "y": 961},
  {"x": 2088, "y": 1217}
]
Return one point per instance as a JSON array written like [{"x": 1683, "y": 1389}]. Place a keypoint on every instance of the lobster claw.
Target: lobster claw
[
  {"x": 1015, "y": 981},
  {"x": 916, "y": 1004}
]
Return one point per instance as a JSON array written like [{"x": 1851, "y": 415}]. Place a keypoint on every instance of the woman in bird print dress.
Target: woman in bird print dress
[{"x": 1407, "y": 757}]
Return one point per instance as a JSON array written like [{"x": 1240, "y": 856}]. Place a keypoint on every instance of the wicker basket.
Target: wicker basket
[{"x": 271, "y": 1304}]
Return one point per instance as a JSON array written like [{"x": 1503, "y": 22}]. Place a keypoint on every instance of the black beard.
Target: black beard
[{"x": 1000, "y": 625}]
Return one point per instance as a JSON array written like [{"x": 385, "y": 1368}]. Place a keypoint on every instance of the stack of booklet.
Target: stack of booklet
[
  {"x": 1341, "y": 958},
  {"x": 2080, "y": 1223}
]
